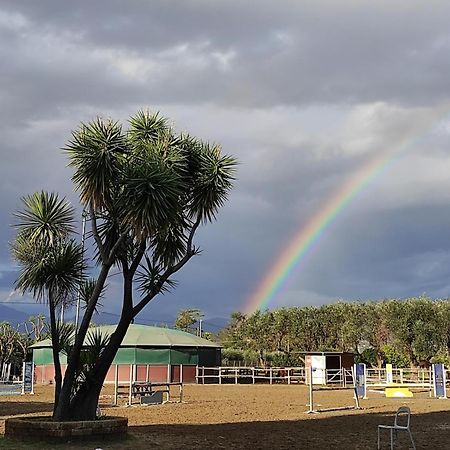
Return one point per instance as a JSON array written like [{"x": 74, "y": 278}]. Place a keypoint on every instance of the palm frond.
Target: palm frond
[
  {"x": 212, "y": 182},
  {"x": 65, "y": 332},
  {"x": 147, "y": 127},
  {"x": 86, "y": 289},
  {"x": 150, "y": 197},
  {"x": 149, "y": 275},
  {"x": 169, "y": 242},
  {"x": 97, "y": 151},
  {"x": 96, "y": 341},
  {"x": 59, "y": 270},
  {"x": 45, "y": 218}
]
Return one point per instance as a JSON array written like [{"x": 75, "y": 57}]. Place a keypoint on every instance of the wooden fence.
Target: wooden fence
[{"x": 298, "y": 375}]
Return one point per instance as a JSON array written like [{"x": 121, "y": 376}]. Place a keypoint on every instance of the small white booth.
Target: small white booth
[{"x": 328, "y": 367}]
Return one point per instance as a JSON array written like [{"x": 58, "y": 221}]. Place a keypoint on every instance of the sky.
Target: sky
[{"x": 303, "y": 94}]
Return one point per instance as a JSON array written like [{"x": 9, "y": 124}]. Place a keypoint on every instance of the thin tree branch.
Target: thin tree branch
[
  {"x": 190, "y": 252},
  {"x": 116, "y": 246},
  {"x": 127, "y": 306},
  {"x": 191, "y": 234},
  {"x": 138, "y": 257},
  {"x": 98, "y": 241}
]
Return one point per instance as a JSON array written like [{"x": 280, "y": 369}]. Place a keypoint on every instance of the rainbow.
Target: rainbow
[{"x": 308, "y": 237}]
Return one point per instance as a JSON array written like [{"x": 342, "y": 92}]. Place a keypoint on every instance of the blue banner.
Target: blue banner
[
  {"x": 439, "y": 381},
  {"x": 28, "y": 377},
  {"x": 360, "y": 380}
]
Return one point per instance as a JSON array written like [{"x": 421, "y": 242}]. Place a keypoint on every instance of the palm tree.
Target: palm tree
[
  {"x": 51, "y": 263},
  {"x": 147, "y": 191}
]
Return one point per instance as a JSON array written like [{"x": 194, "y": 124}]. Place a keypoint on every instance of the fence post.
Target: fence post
[
  {"x": 116, "y": 378},
  {"x": 23, "y": 378},
  {"x": 32, "y": 377},
  {"x": 235, "y": 375},
  {"x": 130, "y": 385},
  {"x": 220, "y": 375},
  {"x": 311, "y": 398},
  {"x": 289, "y": 375},
  {"x": 431, "y": 380}
]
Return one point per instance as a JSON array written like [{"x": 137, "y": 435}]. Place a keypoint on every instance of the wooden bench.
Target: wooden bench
[{"x": 142, "y": 389}]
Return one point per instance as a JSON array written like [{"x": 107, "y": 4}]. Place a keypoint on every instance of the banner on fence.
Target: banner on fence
[
  {"x": 439, "y": 381},
  {"x": 28, "y": 382},
  {"x": 360, "y": 380}
]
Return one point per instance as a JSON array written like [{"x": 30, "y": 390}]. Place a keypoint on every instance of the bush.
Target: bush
[
  {"x": 277, "y": 359},
  {"x": 232, "y": 355},
  {"x": 395, "y": 356},
  {"x": 251, "y": 358},
  {"x": 441, "y": 359},
  {"x": 368, "y": 357}
]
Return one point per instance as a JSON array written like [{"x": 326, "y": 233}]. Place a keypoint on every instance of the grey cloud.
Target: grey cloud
[
  {"x": 283, "y": 53},
  {"x": 383, "y": 253},
  {"x": 305, "y": 95}
]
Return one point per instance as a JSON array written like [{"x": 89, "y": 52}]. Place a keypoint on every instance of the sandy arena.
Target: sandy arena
[{"x": 252, "y": 417}]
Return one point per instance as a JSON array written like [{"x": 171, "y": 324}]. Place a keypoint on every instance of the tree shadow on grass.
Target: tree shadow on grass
[
  {"x": 348, "y": 430},
  {"x": 15, "y": 408},
  {"x": 353, "y": 431}
]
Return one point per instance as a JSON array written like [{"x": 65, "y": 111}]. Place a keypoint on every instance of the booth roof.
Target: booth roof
[{"x": 148, "y": 336}]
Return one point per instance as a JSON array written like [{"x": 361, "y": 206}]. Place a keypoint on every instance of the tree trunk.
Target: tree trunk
[
  {"x": 62, "y": 409},
  {"x": 83, "y": 406},
  {"x": 55, "y": 350}
]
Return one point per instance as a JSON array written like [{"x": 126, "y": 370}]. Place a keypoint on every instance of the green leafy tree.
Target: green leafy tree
[
  {"x": 404, "y": 332},
  {"x": 232, "y": 356},
  {"x": 8, "y": 341},
  {"x": 36, "y": 328},
  {"x": 186, "y": 318},
  {"x": 395, "y": 356},
  {"x": 147, "y": 190},
  {"x": 232, "y": 336}
]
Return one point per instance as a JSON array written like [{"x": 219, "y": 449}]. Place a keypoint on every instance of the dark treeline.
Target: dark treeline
[{"x": 410, "y": 332}]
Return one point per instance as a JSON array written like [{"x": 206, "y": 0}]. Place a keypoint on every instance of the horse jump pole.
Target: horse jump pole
[{"x": 311, "y": 399}]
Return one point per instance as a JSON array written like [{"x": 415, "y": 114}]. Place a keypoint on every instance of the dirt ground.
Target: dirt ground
[{"x": 252, "y": 417}]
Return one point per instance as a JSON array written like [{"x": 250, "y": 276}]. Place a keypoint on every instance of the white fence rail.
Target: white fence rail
[
  {"x": 250, "y": 375},
  {"x": 413, "y": 377},
  {"x": 408, "y": 376}
]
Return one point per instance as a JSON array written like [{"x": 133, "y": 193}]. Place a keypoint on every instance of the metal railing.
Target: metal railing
[
  {"x": 405, "y": 376},
  {"x": 250, "y": 375},
  {"x": 413, "y": 377}
]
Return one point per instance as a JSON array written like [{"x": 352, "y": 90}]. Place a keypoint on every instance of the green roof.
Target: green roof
[{"x": 147, "y": 336}]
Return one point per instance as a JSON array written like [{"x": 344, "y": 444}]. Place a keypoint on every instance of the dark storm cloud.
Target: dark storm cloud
[
  {"x": 234, "y": 53},
  {"x": 385, "y": 253},
  {"x": 303, "y": 93}
]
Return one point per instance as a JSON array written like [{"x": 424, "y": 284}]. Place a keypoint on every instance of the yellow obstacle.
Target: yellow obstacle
[{"x": 397, "y": 392}]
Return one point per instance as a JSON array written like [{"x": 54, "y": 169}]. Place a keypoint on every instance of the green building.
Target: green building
[{"x": 146, "y": 354}]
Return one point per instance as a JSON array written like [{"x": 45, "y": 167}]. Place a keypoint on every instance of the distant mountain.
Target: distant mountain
[
  {"x": 12, "y": 316},
  {"x": 215, "y": 324}
]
